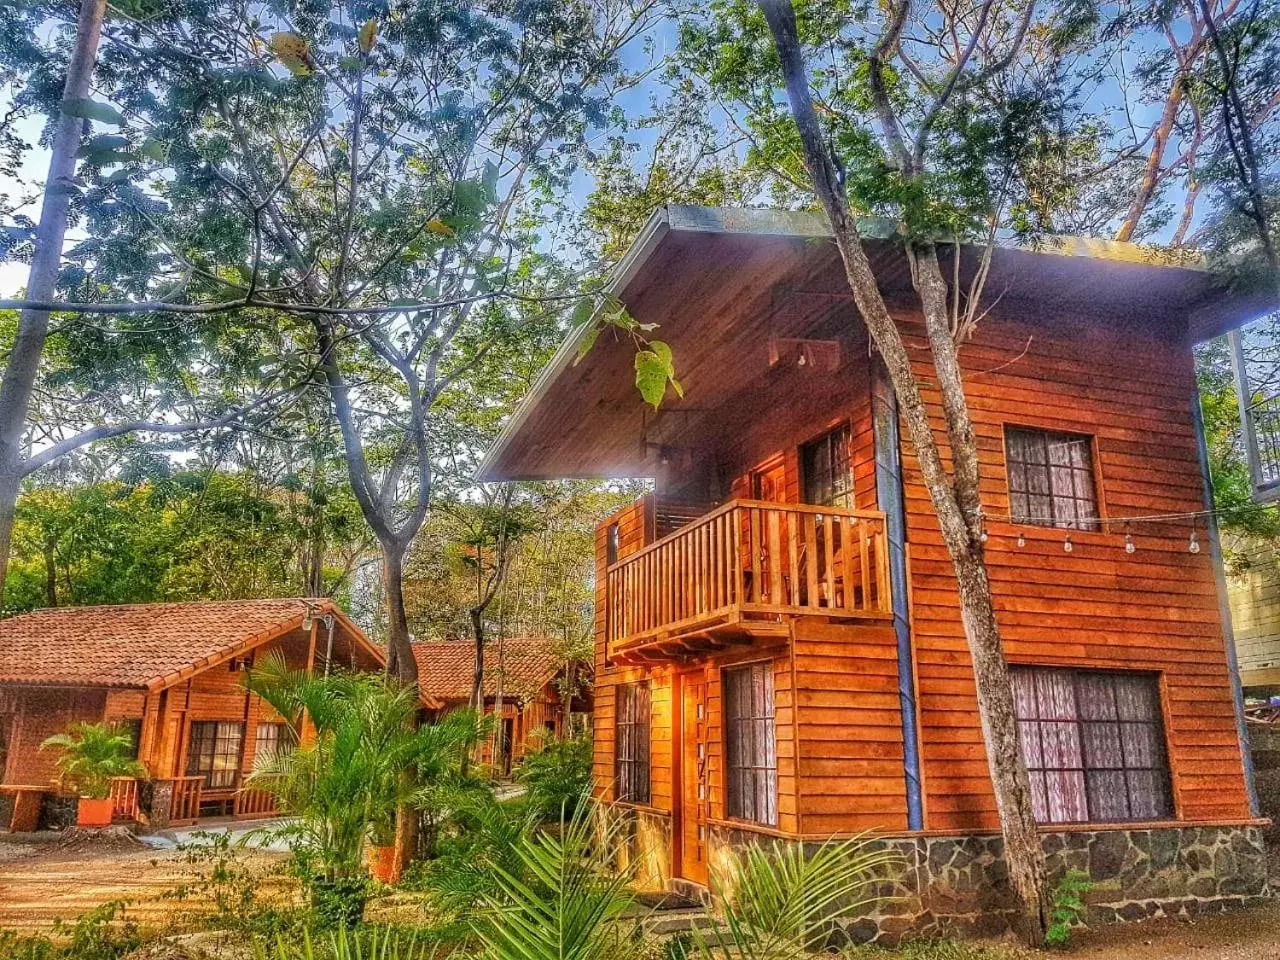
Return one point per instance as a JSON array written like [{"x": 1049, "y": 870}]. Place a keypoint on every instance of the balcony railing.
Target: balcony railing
[
  {"x": 747, "y": 564},
  {"x": 1264, "y": 425}
]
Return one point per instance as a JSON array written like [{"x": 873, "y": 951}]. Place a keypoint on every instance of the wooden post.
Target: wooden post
[{"x": 307, "y": 733}]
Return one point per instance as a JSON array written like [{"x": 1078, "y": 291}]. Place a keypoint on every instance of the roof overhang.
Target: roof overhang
[
  {"x": 322, "y": 608},
  {"x": 721, "y": 282}
]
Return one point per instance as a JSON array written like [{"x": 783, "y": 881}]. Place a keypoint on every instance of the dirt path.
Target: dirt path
[
  {"x": 41, "y": 883},
  {"x": 1240, "y": 935}
]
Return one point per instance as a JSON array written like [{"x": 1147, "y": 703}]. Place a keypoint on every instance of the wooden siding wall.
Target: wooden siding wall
[
  {"x": 1097, "y": 606},
  {"x": 1255, "y": 614},
  {"x": 32, "y": 715},
  {"x": 850, "y": 730},
  {"x": 217, "y": 694}
]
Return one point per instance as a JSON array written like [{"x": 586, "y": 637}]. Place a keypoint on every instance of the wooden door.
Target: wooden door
[
  {"x": 695, "y": 787},
  {"x": 769, "y": 483}
]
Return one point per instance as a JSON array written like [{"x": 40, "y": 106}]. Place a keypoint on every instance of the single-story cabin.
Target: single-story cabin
[
  {"x": 779, "y": 651},
  {"x": 171, "y": 673},
  {"x": 528, "y": 673}
]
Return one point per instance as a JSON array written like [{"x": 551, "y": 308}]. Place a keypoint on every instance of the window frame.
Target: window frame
[
  {"x": 837, "y": 497},
  {"x": 1160, "y": 766},
  {"x": 197, "y": 754},
  {"x": 736, "y": 773},
  {"x": 633, "y": 727},
  {"x": 1092, "y": 524}
]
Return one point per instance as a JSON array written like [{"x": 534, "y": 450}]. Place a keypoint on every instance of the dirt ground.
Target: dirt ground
[
  {"x": 45, "y": 881},
  {"x": 41, "y": 882}
]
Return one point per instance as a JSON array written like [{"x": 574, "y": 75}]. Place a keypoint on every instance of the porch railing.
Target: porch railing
[
  {"x": 124, "y": 798},
  {"x": 185, "y": 804},
  {"x": 751, "y": 558},
  {"x": 254, "y": 803}
]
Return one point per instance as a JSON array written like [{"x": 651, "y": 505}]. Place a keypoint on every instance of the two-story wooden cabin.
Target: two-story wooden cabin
[
  {"x": 779, "y": 651},
  {"x": 172, "y": 673}
]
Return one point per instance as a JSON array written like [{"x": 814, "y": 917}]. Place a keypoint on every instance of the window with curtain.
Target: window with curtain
[
  {"x": 1051, "y": 480},
  {"x": 751, "y": 751},
  {"x": 632, "y": 756},
  {"x": 828, "y": 476},
  {"x": 272, "y": 741},
  {"x": 1094, "y": 745},
  {"x": 214, "y": 752}
]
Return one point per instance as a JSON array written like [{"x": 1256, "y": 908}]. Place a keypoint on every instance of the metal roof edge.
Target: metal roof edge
[{"x": 655, "y": 228}]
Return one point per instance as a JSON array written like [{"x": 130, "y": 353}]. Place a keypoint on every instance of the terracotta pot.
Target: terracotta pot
[
  {"x": 382, "y": 864},
  {"x": 94, "y": 813}
]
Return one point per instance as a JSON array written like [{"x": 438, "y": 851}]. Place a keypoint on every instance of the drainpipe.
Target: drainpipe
[
  {"x": 1224, "y": 606},
  {"x": 889, "y": 497}
]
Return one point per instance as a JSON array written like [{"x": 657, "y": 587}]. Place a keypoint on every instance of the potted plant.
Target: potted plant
[
  {"x": 382, "y": 849},
  {"x": 92, "y": 754}
]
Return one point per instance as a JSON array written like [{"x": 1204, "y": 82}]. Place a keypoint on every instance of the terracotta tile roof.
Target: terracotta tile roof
[
  {"x": 446, "y": 668},
  {"x": 136, "y": 645}
]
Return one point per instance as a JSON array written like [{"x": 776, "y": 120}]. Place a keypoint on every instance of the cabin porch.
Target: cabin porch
[{"x": 738, "y": 572}]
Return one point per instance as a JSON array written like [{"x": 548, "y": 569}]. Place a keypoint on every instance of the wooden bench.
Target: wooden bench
[{"x": 27, "y": 801}]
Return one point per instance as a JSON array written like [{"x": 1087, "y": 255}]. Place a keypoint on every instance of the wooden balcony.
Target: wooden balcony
[{"x": 740, "y": 572}]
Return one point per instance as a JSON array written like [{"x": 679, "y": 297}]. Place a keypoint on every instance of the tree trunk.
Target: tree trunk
[
  {"x": 400, "y": 661},
  {"x": 1155, "y": 160},
  {"x": 50, "y": 572},
  {"x": 477, "y": 678},
  {"x": 955, "y": 499},
  {"x": 33, "y": 325}
]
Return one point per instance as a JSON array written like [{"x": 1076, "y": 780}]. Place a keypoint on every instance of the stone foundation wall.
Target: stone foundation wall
[{"x": 958, "y": 886}]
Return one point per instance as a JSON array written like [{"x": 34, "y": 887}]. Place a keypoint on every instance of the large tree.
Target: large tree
[{"x": 354, "y": 181}]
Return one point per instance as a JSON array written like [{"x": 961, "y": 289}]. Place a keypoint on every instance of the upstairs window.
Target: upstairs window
[
  {"x": 828, "y": 476},
  {"x": 1051, "y": 480},
  {"x": 1094, "y": 745},
  {"x": 214, "y": 752},
  {"x": 751, "y": 750},
  {"x": 632, "y": 759}
]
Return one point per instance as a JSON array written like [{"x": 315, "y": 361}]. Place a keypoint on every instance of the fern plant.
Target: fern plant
[
  {"x": 92, "y": 754},
  {"x": 1068, "y": 907},
  {"x": 780, "y": 901},
  {"x": 561, "y": 899}
]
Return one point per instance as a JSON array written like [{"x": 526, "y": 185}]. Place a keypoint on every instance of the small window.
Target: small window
[
  {"x": 132, "y": 728},
  {"x": 633, "y": 742},
  {"x": 750, "y": 744},
  {"x": 1051, "y": 478},
  {"x": 1094, "y": 745},
  {"x": 828, "y": 477},
  {"x": 214, "y": 752},
  {"x": 272, "y": 741},
  {"x": 612, "y": 544}
]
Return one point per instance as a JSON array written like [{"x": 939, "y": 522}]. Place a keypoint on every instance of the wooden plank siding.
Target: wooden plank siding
[{"x": 1097, "y": 606}]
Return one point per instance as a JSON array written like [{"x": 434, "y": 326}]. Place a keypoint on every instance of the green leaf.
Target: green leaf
[
  {"x": 101, "y": 143},
  {"x": 154, "y": 149},
  {"x": 586, "y": 343},
  {"x": 583, "y": 311},
  {"x": 663, "y": 352},
  {"x": 438, "y": 226},
  {"x": 651, "y": 377},
  {"x": 93, "y": 110}
]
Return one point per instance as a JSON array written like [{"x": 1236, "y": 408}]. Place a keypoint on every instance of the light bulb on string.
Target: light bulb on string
[
  {"x": 1193, "y": 545},
  {"x": 1022, "y": 541},
  {"x": 1128, "y": 543},
  {"x": 984, "y": 536},
  {"x": 1066, "y": 544}
]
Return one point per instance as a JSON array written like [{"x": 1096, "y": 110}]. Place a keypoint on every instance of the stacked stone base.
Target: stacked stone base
[{"x": 958, "y": 886}]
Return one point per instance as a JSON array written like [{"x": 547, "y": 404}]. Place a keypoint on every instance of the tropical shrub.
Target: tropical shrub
[
  {"x": 559, "y": 899},
  {"x": 782, "y": 901},
  {"x": 557, "y": 777},
  {"x": 370, "y": 943},
  {"x": 93, "y": 753},
  {"x": 100, "y": 934},
  {"x": 346, "y": 785}
]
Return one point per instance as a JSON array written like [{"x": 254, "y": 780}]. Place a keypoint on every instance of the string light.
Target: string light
[
  {"x": 1022, "y": 541},
  {"x": 1128, "y": 543},
  {"x": 984, "y": 536},
  {"x": 1066, "y": 544},
  {"x": 1194, "y": 545}
]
